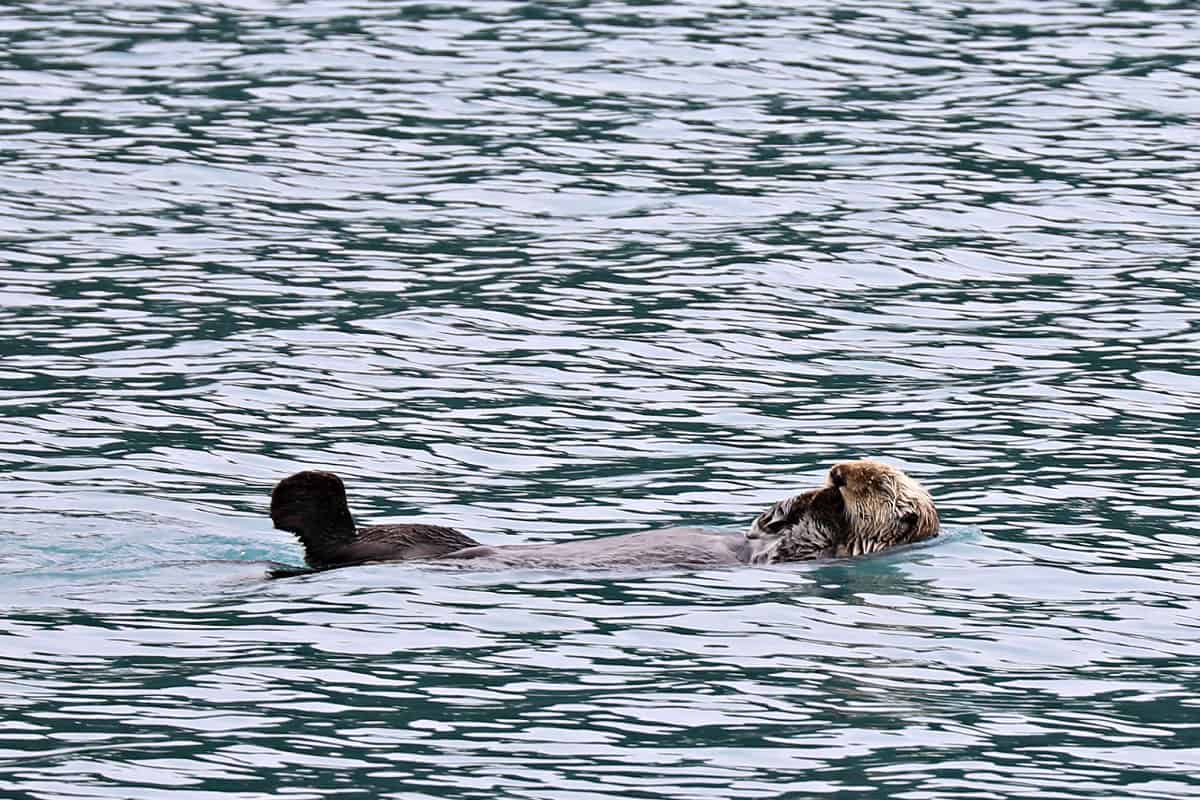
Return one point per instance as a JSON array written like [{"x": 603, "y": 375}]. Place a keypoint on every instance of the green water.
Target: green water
[{"x": 553, "y": 270}]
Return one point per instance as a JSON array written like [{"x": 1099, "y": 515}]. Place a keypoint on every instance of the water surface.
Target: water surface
[{"x": 552, "y": 270}]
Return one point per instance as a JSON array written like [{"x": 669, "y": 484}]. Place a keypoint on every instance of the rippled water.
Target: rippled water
[{"x": 552, "y": 270}]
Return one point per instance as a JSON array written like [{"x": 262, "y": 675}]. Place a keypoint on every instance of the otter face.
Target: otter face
[
  {"x": 312, "y": 502},
  {"x": 884, "y": 507}
]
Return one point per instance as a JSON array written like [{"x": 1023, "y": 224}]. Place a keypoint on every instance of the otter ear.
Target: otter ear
[{"x": 909, "y": 523}]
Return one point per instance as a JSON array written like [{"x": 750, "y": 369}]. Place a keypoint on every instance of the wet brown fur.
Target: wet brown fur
[
  {"x": 882, "y": 508},
  {"x": 312, "y": 506}
]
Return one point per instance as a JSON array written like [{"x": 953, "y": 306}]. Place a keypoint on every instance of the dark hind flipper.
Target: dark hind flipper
[
  {"x": 388, "y": 543},
  {"x": 402, "y": 543},
  {"x": 288, "y": 571}
]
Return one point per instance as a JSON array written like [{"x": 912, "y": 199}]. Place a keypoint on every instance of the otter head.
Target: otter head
[
  {"x": 809, "y": 525},
  {"x": 312, "y": 505},
  {"x": 864, "y": 507},
  {"x": 883, "y": 507}
]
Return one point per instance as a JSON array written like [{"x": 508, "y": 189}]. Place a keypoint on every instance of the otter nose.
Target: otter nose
[{"x": 837, "y": 477}]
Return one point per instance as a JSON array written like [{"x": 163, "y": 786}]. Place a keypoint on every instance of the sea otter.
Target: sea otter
[
  {"x": 864, "y": 507},
  {"x": 881, "y": 508}
]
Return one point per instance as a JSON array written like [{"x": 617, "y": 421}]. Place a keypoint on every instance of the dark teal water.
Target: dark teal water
[{"x": 554, "y": 270}]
